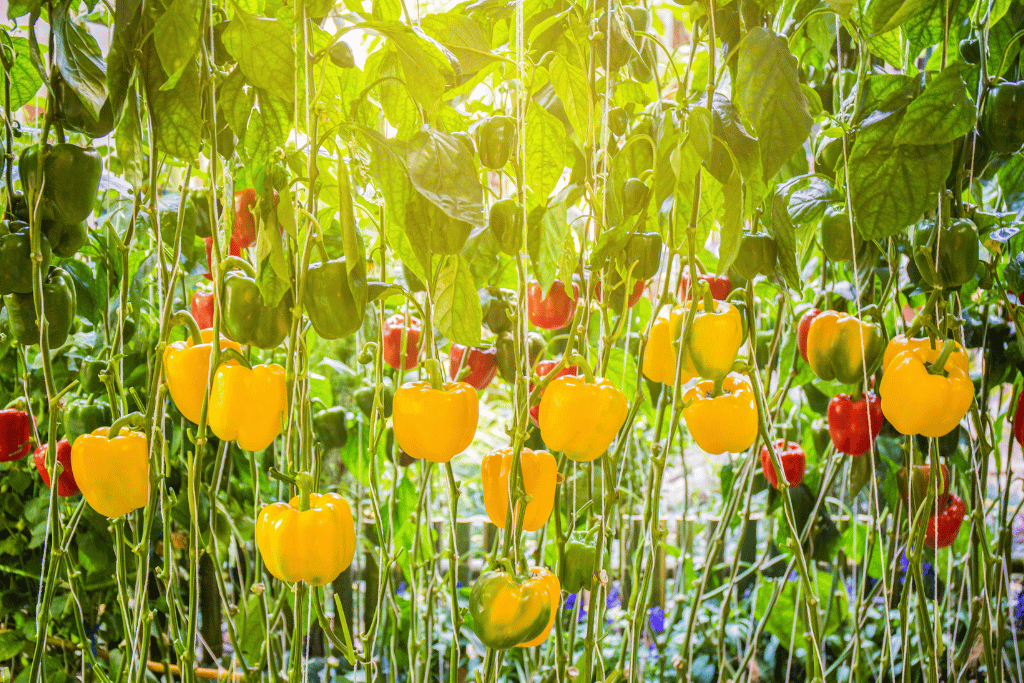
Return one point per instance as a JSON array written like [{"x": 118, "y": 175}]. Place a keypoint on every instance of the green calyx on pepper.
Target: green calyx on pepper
[
  {"x": 946, "y": 256},
  {"x": 83, "y": 416},
  {"x": 59, "y": 303},
  {"x": 757, "y": 255},
  {"x": 70, "y": 182},
  {"x": 335, "y": 302},
  {"x": 577, "y": 572},
  {"x": 495, "y": 139},
  {"x": 1002, "y": 118},
  {"x": 247, "y": 317},
  {"x": 331, "y": 427},
  {"x": 16, "y": 257}
]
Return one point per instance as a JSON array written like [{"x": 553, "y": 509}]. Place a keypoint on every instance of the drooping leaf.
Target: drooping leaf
[
  {"x": 731, "y": 224},
  {"x": 176, "y": 121},
  {"x": 236, "y": 102},
  {"x": 176, "y": 36},
  {"x": 545, "y": 151},
  {"x": 425, "y": 63},
  {"x": 79, "y": 59},
  {"x": 545, "y": 239},
  {"x": 443, "y": 170},
  {"x": 463, "y": 36},
  {"x": 781, "y": 228},
  {"x": 570, "y": 83},
  {"x": 457, "y": 312},
  {"x": 811, "y": 196},
  {"x": 263, "y": 49},
  {"x": 944, "y": 112},
  {"x": 767, "y": 92},
  {"x": 128, "y": 139},
  {"x": 121, "y": 59},
  {"x": 25, "y": 80}
]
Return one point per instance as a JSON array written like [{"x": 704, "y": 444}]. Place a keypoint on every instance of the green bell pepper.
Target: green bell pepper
[
  {"x": 835, "y": 236},
  {"x": 16, "y": 257},
  {"x": 1002, "y": 118},
  {"x": 75, "y": 116},
  {"x": 505, "y": 222},
  {"x": 954, "y": 260},
  {"x": 495, "y": 139},
  {"x": 757, "y": 255},
  {"x": 577, "y": 572},
  {"x": 498, "y": 315},
  {"x": 635, "y": 197},
  {"x": 72, "y": 180},
  {"x": 59, "y": 302},
  {"x": 65, "y": 240},
  {"x": 364, "y": 395},
  {"x": 247, "y": 319},
  {"x": 90, "y": 376},
  {"x": 334, "y": 302},
  {"x": 331, "y": 428},
  {"x": 82, "y": 416},
  {"x": 643, "y": 253}
]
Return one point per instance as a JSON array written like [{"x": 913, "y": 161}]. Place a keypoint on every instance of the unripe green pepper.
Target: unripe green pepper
[
  {"x": 835, "y": 235},
  {"x": 16, "y": 257},
  {"x": 498, "y": 316},
  {"x": 635, "y": 196},
  {"x": 72, "y": 180},
  {"x": 364, "y": 396},
  {"x": 1002, "y": 118},
  {"x": 643, "y": 253},
  {"x": 331, "y": 428},
  {"x": 506, "y": 224},
  {"x": 946, "y": 257},
  {"x": 340, "y": 55},
  {"x": 495, "y": 139},
  {"x": 578, "y": 570},
  {"x": 90, "y": 376},
  {"x": 247, "y": 319},
  {"x": 66, "y": 240},
  {"x": 82, "y": 416},
  {"x": 757, "y": 255},
  {"x": 59, "y": 302}
]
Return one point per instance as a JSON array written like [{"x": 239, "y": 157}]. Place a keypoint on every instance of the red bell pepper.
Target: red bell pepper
[
  {"x": 1018, "y": 420},
  {"x": 243, "y": 235},
  {"x": 542, "y": 369},
  {"x": 944, "y": 527},
  {"x": 482, "y": 365},
  {"x": 15, "y": 434},
  {"x": 66, "y": 484},
  {"x": 202, "y": 309},
  {"x": 553, "y": 311},
  {"x": 234, "y": 250},
  {"x": 794, "y": 463},
  {"x": 720, "y": 285},
  {"x": 392, "y": 337},
  {"x": 803, "y": 328},
  {"x": 854, "y": 425},
  {"x": 914, "y": 486}
]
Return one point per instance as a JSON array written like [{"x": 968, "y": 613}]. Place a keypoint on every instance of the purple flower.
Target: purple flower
[
  {"x": 1018, "y": 611},
  {"x": 614, "y": 598},
  {"x": 656, "y": 618},
  {"x": 400, "y": 590},
  {"x": 570, "y": 602}
]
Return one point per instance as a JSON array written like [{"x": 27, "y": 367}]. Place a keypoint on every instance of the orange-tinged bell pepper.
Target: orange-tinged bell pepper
[
  {"x": 113, "y": 474},
  {"x": 508, "y": 611},
  {"x": 580, "y": 418},
  {"x": 916, "y": 400},
  {"x": 312, "y": 540},
  {"x": 727, "y": 422},
  {"x": 248, "y": 405},
  {"x": 548, "y": 579},
  {"x": 843, "y": 347},
  {"x": 540, "y": 474},
  {"x": 435, "y": 424},
  {"x": 187, "y": 366}
]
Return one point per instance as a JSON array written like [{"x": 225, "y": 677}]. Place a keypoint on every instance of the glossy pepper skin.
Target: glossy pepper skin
[
  {"x": 202, "y": 309},
  {"x": 1002, "y": 118},
  {"x": 946, "y": 256},
  {"x": 844, "y": 348},
  {"x": 540, "y": 473},
  {"x": 1018, "y": 420},
  {"x": 804, "y": 328},
  {"x": 794, "y": 463},
  {"x": 720, "y": 285},
  {"x": 757, "y": 255},
  {"x": 917, "y": 402},
  {"x": 923, "y": 345},
  {"x": 16, "y": 258},
  {"x": 187, "y": 367},
  {"x": 331, "y": 427},
  {"x": 71, "y": 176},
  {"x": 543, "y": 369},
  {"x": 579, "y": 418},
  {"x": 313, "y": 545},
  {"x": 392, "y": 338},
  {"x": 65, "y": 240},
  {"x": 836, "y": 238},
  {"x": 243, "y": 234},
  {"x": 233, "y": 250},
  {"x": 854, "y": 425},
  {"x": 435, "y": 424},
  {"x": 643, "y": 255},
  {"x": 554, "y": 310},
  {"x": 248, "y": 405},
  {"x": 724, "y": 423},
  {"x": 508, "y": 611},
  {"x": 247, "y": 318},
  {"x": 505, "y": 221},
  {"x": 482, "y": 365},
  {"x": 578, "y": 571},
  {"x": 495, "y": 139},
  {"x": 15, "y": 434},
  {"x": 660, "y": 359},
  {"x": 66, "y": 484},
  {"x": 334, "y": 301},
  {"x": 113, "y": 474},
  {"x": 715, "y": 338},
  {"x": 84, "y": 417},
  {"x": 549, "y": 581},
  {"x": 944, "y": 527},
  {"x": 59, "y": 302}
]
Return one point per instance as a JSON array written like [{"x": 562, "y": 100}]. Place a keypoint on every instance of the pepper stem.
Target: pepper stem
[
  {"x": 434, "y": 374},
  {"x": 718, "y": 388},
  {"x": 281, "y": 476},
  {"x": 709, "y": 301},
  {"x": 235, "y": 262},
  {"x": 135, "y": 419},
  {"x": 230, "y": 354},
  {"x": 305, "y": 482},
  {"x": 937, "y": 366},
  {"x": 581, "y": 362},
  {"x": 185, "y": 318}
]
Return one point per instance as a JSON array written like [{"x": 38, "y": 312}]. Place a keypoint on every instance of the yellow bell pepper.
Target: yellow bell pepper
[
  {"x": 917, "y": 399},
  {"x": 311, "y": 538},
  {"x": 248, "y": 405},
  {"x": 660, "y": 355},
  {"x": 547, "y": 579},
  {"x": 843, "y": 347},
  {"x": 187, "y": 366},
  {"x": 581, "y": 418},
  {"x": 540, "y": 474},
  {"x": 715, "y": 338},
  {"x": 723, "y": 423},
  {"x": 112, "y": 474},
  {"x": 435, "y": 424},
  {"x": 928, "y": 348}
]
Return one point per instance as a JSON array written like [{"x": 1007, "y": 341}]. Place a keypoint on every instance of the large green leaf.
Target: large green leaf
[
  {"x": 425, "y": 62},
  {"x": 892, "y": 185},
  {"x": 782, "y": 230},
  {"x": 463, "y": 36},
  {"x": 545, "y": 151},
  {"x": 263, "y": 49},
  {"x": 942, "y": 113},
  {"x": 457, "y": 312},
  {"x": 570, "y": 84},
  {"x": 443, "y": 170},
  {"x": 128, "y": 139},
  {"x": 176, "y": 35},
  {"x": 767, "y": 92},
  {"x": 79, "y": 59},
  {"x": 25, "y": 80},
  {"x": 174, "y": 112},
  {"x": 545, "y": 241}
]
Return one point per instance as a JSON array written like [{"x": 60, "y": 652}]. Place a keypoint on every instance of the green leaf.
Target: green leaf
[
  {"x": 175, "y": 113},
  {"x": 79, "y": 60},
  {"x": 882, "y": 16},
  {"x": 1011, "y": 182},
  {"x": 11, "y": 644},
  {"x": 855, "y": 544},
  {"x": 813, "y": 195},
  {"x": 25, "y": 80},
  {"x": 457, "y": 312},
  {"x": 545, "y": 240},
  {"x": 942, "y": 113},
  {"x": 569, "y": 259},
  {"x": 263, "y": 49},
  {"x": 781, "y": 229},
  {"x": 570, "y": 84},
  {"x": 131, "y": 151},
  {"x": 267, "y": 128},
  {"x": 236, "y": 102},
  {"x": 767, "y": 92},
  {"x": 892, "y": 186},
  {"x": 545, "y": 151},
  {"x": 399, "y": 107},
  {"x": 463, "y": 36},
  {"x": 443, "y": 170},
  {"x": 122, "y": 59},
  {"x": 425, "y": 63},
  {"x": 731, "y": 224},
  {"x": 176, "y": 35}
]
